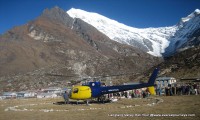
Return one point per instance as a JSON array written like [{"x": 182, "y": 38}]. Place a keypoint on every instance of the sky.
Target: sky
[{"x": 134, "y": 13}]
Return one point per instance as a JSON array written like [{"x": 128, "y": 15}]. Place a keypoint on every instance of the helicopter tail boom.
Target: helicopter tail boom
[
  {"x": 114, "y": 89},
  {"x": 153, "y": 77}
]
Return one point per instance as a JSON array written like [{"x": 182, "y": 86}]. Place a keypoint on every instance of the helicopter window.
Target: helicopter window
[{"x": 75, "y": 90}]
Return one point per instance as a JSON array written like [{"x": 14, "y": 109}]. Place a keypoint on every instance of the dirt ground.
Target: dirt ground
[{"x": 165, "y": 107}]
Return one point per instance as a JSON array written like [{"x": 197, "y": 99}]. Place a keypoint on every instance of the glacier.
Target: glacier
[{"x": 155, "y": 41}]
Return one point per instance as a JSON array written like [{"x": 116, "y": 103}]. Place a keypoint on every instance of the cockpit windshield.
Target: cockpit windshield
[{"x": 75, "y": 90}]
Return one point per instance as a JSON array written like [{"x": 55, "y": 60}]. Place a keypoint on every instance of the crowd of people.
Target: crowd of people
[
  {"x": 170, "y": 90},
  {"x": 177, "y": 89},
  {"x": 137, "y": 93}
]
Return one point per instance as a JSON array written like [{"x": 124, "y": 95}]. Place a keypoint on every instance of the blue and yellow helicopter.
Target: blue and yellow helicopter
[{"x": 95, "y": 90}]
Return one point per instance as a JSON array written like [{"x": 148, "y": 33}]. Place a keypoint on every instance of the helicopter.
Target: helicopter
[{"x": 95, "y": 90}]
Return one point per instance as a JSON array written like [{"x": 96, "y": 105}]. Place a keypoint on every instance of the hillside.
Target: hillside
[
  {"x": 186, "y": 63},
  {"x": 55, "y": 48}
]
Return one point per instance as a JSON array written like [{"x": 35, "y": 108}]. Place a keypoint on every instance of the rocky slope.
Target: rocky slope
[{"x": 185, "y": 64}]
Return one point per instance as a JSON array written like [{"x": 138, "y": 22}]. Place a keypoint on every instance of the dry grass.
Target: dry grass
[{"x": 44, "y": 109}]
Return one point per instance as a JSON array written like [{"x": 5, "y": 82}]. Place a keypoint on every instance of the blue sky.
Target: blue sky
[{"x": 135, "y": 13}]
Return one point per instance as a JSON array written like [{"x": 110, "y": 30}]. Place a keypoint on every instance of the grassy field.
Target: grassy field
[{"x": 181, "y": 107}]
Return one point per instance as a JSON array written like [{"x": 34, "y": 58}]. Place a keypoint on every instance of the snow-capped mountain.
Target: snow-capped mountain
[
  {"x": 155, "y": 41},
  {"x": 185, "y": 29}
]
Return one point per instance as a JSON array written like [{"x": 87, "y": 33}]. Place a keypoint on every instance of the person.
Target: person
[
  {"x": 132, "y": 94},
  {"x": 137, "y": 93},
  {"x": 183, "y": 89},
  {"x": 66, "y": 97},
  {"x": 170, "y": 91},
  {"x": 126, "y": 94},
  {"x": 195, "y": 88},
  {"x": 143, "y": 94},
  {"x": 166, "y": 91}
]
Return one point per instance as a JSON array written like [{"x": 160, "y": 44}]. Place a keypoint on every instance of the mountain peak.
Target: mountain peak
[
  {"x": 190, "y": 16},
  {"x": 54, "y": 10},
  {"x": 91, "y": 17},
  {"x": 197, "y": 11},
  {"x": 57, "y": 14},
  {"x": 74, "y": 13}
]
